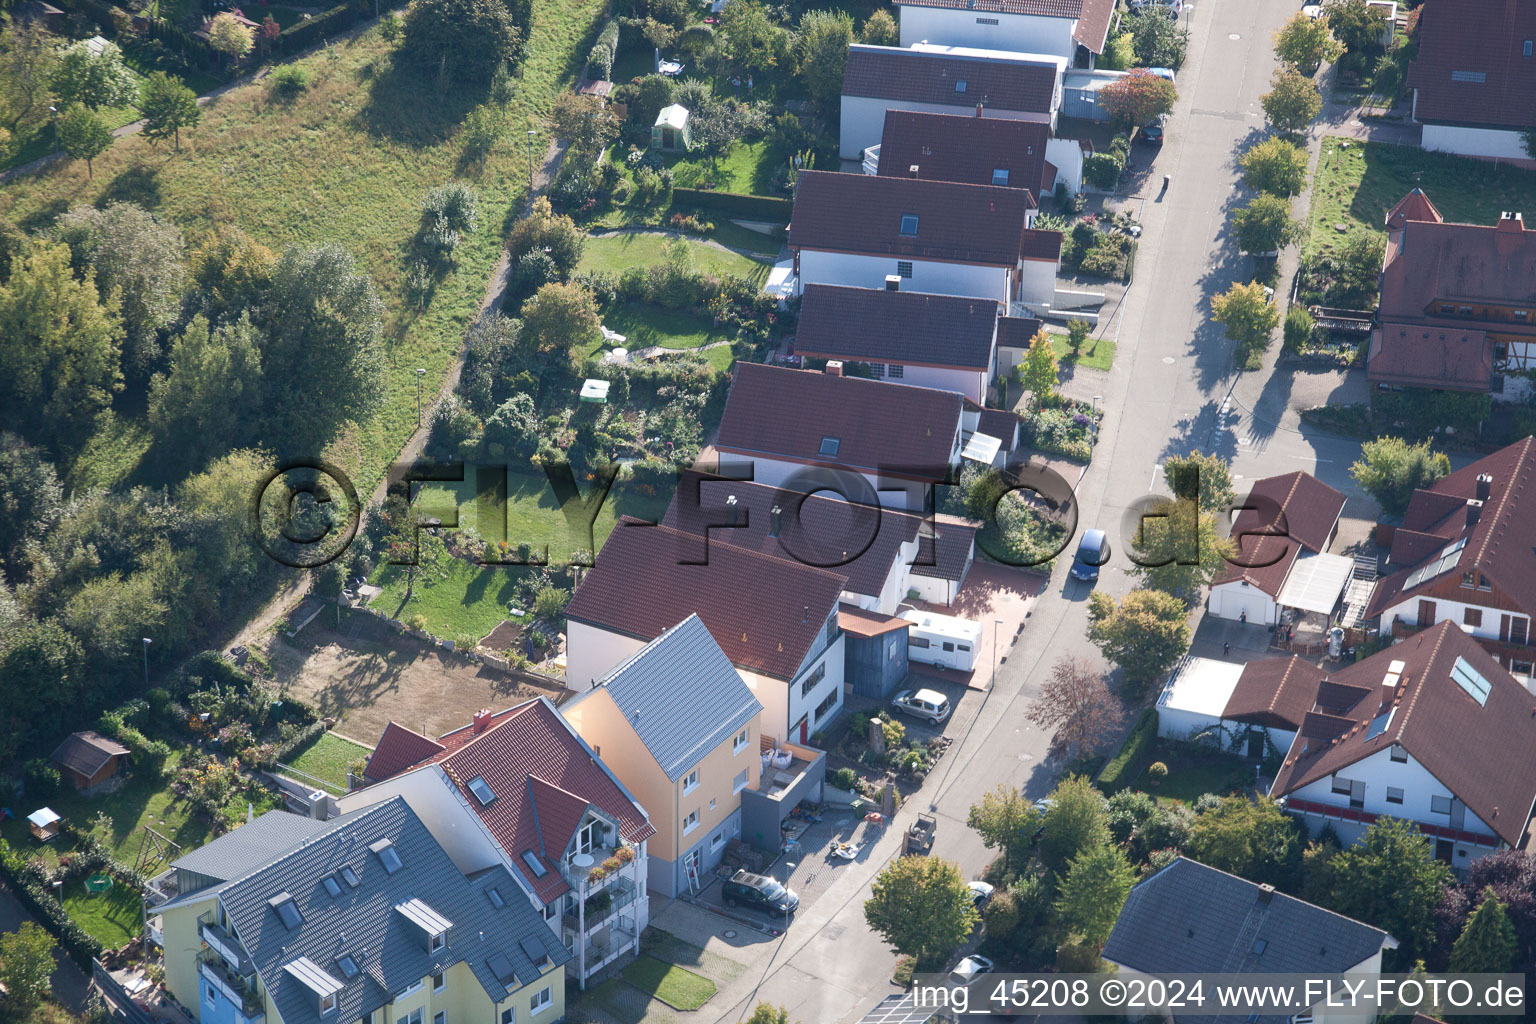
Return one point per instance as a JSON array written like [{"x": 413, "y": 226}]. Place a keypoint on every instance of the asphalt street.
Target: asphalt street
[{"x": 1173, "y": 389}]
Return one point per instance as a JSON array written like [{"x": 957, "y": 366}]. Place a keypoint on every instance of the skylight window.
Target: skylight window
[
  {"x": 534, "y": 864},
  {"x": 287, "y": 911},
  {"x": 494, "y": 896},
  {"x": 1379, "y": 723},
  {"x": 1445, "y": 561},
  {"x": 385, "y": 851},
  {"x": 482, "y": 791},
  {"x": 1471, "y": 680},
  {"x": 348, "y": 875},
  {"x": 332, "y": 886},
  {"x": 959, "y": 85},
  {"x": 830, "y": 445},
  {"x": 909, "y": 224},
  {"x": 348, "y": 966},
  {"x": 999, "y": 175}
]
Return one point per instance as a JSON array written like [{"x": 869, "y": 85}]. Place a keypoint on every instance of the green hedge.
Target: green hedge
[
  {"x": 1127, "y": 766},
  {"x": 318, "y": 28},
  {"x": 30, "y": 888},
  {"x": 735, "y": 203}
]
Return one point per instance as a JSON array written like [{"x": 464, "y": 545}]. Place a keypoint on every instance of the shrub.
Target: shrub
[
  {"x": 288, "y": 81},
  {"x": 549, "y": 603},
  {"x": 845, "y": 778},
  {"x": 1157, "y": 772},
  {"x": 417, "y": 622},
  {"x": 1102, "y": 170},
  {"x": 1125, "y": 766},
  {"x": 1298, "y": 328}
]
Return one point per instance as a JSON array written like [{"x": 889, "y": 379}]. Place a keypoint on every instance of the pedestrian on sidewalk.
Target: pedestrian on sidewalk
[{"x": 1226, "y": 649}]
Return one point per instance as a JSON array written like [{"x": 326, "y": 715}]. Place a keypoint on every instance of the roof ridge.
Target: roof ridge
[
  {"x": 341, "y": 821},
  {"x": 512, "y": 713},
  {"x": 744, "y": 551},
  {"x": 1496, "y": 520}
]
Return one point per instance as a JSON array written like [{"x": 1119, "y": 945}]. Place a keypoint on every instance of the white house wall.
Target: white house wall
[
  {"x": 1408, "y": 612},
  {"x": 934, "y": 590},
  {"x": 592, "y": 653},
  {"x": 1067, "y": 157},
  {"x": 863, "y": 119},
  {"x": 1230, "y": 600},
  {"x": 970, "y": 383},
  {"x": 962, "y": 279},
  {"x": 1037, "y": 282},
  {"x": 1489, "y": 142},
  {"x": 805, "y": 706},
  {"x": 1017, "y": 32},
  {"x": 440, "y": 806}
]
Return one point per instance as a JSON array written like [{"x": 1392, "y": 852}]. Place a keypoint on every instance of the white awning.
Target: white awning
[
  {"x": 43, "y": 817},
  {"x": 982, "y": 448},
  {"x": 1316, "y": 583},
  {"x": 595, "y": 391}
]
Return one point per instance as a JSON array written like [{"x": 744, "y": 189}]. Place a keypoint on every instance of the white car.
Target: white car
[
  {"x": 1169, "y": 6},
  {"x": 969, "y": 969},
  {"x": 929, "y": 704},
  {"x": 980, "y": 893}
]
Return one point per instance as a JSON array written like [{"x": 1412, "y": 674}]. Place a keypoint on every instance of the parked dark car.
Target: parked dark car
[
  {"x": 1153, "y": 132},
  {"x": 745, "y": 888},
  {"x": 1092, "y": 552}
]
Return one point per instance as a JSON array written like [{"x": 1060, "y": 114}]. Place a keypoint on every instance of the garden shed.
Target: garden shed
[{"x": 671, "y": 133}]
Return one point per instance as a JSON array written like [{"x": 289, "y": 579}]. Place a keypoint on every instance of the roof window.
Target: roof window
[
  {"x": 1469, "y": 76},
  {"x": 999, "y": 175},
  {"x": 287, "y": 911},
  {"x": 348, "y": 966},
  {"x": 959, "y": 85},
  {"x": 331, "y": 885},
  {"x": 830, "y": 445},
  {"x": 534, "y": 864},
  {"x": 388, "y": 856},
  {"x": 348, "y": 875},
  {"x": 482, "y": 791},
  {"x": 909, "y": 224},
  {"x": 1471, "y": 680}
]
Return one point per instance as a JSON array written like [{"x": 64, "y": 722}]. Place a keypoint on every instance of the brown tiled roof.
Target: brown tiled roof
[
  {"x": 922, "y": 76},
  {"x": 1460, "y": 40},
  {"x": 1413, "y": 206},
  {"x": 766, "y": 613},
  {"x": 1274, "y": 692},
  {"x": 867, "y": 624},
  {"x": 544, "y": 778},
  {"x": 1041, "y": 245},
  {"x": 953, "y": 541},
  {"x": 1308, "y": 510},
  {"x": 1001, "y": 424},
  {"x": 1501, "y": 545},
  {"x": 1093, "y": 24},
  {"x": 1446, "y": 358},
  {"x": 398, "y": 749},
  {"x": 873, "y": 325},
  {"x": 1484, "y": 754},
  {"x": 774, "y": 412},
  {"x": 1017, "y": 331},
  {"x": 825, "y": 532},
  {"x": 87, "y": 752},
  {"x": 862, "y": 213},
  {"x": 967, "y": 149}
]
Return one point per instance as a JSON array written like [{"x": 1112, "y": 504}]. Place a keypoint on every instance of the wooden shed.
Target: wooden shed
[{"x": 88, "y": 759}]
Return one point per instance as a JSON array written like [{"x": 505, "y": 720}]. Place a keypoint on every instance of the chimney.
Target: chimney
[
  {"x": 893, "y": 282},
  {"x": 805, "y": 616},
  {"x": 978, "y": 110},
  {"x": 775, "y": 520},
  {"x": 1474, "y": 510},
  {"x": 730, "y": 503},
  {"x": 1510, "y": 222},
  {"x": 1484, "y": 486},
  {"x": 912, "y": 170},
  {"x": 1266, "y": 893},
  {"x": 480, "y": 721},
  {"x": 834, "y": 367}
]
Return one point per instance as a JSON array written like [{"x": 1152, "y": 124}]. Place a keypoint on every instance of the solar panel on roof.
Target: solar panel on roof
[
  {"x": 1379, "y": 723},
  {"x": 1448, "y": 557},
  {"x": 1471, "y": 680}
]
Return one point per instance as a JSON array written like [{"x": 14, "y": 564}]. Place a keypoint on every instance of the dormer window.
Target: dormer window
[
  {"x": 432, "y": 926},
  {"x": 349, "y": 876},
  {"x": 318, "y": 981},
  {"x": 287, "y": 911},
  {"x": 482, "y": 791},
  {"x": 909, "y": 225},
  {"x": 388, "y": 856}
]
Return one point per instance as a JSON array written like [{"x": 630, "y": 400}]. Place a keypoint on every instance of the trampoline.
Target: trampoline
[{"x": 98, "y": 884}]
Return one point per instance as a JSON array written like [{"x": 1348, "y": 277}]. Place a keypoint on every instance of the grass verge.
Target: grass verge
[
  {"x": 679, "y": 989},
  {"x": 1097, "y": 353}
]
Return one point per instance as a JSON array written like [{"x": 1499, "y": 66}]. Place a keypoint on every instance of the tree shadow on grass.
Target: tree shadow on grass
[
  {"x": 404, "y": 107},
  {"x": 138, "y": 184}
]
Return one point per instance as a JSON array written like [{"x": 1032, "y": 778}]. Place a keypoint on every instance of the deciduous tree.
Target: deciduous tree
[
  {"x": 1265, "y": 224},
  {"x": 26, "y": 964},
  {"x": 1306, "y": 42},
  {"x": 229, "y": 37},
  {"x": 1391, "y": 469},
  {"x": 1074, "y": 822},
  {"x": 84, "y": 136},
  {"x": 461, "y": 41},
  {"x": 1254, "y": 839},
  {"x": 561, "y": 317},
  {"x": 30, "y": 497},
  {"x": 1075, "y": 704},
  {"x": 585, "y": 120},
  {"x": 1138, "y": 98},
  {"x": 1276, "y": 166},
  {"x": 1391, "y": 879},
  {"x": 1159, "y": 41},
  {"x": 1178, "y": 549},
  {"x": 1250, "y": 317},
  {"x": 168, "y": 107},
  {"x": 1205, "y": 479},
  {"x": 545, "y": 230},
  {"x": 1356, "y": 24},
  {"x": 1292, "y": 101},
  {"x": 749, "y": 38},
  {"x": 210, "y": 397},
  {"x": 28, "y": 56},
  {"x": 823, "y": 41},
  {"x": 93, "y": 78},
  {"x": 880, "y": 29},
  {"x": 1038, "y": 370},
  {"x": 1146, "y": 635},
  {"x": 1094, "y": 889},
  {"x": 1005, "y": 821},
  {"x": 921, "y": 906}
]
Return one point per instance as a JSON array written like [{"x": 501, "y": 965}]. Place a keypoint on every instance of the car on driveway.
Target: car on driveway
[
  {"x": 1092, "y": 552},
  {"x": 759, "y": 892},
  {"x": 1153, "y": 132},
  {"x": 981, "y": 892},
  {"x": 929, "y": 704},
  {"x": 969, "y": 969}
]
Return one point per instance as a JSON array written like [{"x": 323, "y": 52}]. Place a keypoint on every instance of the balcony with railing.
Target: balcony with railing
[
  {"x": 239, "y": 990},
  {"x": 617, "y": 895},
  {"x": 221, "y": 941}
]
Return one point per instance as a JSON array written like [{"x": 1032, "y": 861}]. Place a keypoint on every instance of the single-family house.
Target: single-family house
[
  {"x": 1018, "y": 86},
  {"x": 876, "y": 442},
  {"x": 1430, "y": 730},
  {"x": 937, "y": 237},
  {"x": 1253, "y": 710},
  {"x": 360, "y": 918},
  {"x": 1458, "y": 303},
  {"x": 1073, "y": 29},
  {"x": 520, "y": 791},
  {"x": 1189, "y": 917},
  {"x": 947, "y": 342},
  {"x": 1466, "y": 552},
  {"x": 775, "y": 619},
  {"x": 1014, "y": 333},
  {"x": 1474, "y": 79},
  {"x": 682, "y": 729},
  {"x": 976, "y": 151},
  {"x": 1282, "y": 536},
  {"x": 89, "y": 761}
]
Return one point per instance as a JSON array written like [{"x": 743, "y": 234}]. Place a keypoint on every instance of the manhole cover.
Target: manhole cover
[
  {"x": 729, "y": 933},
  {"x": 1233, "y": 35}
]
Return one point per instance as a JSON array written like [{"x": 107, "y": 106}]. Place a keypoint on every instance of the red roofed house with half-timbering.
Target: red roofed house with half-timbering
[
  {"x": 1458, "y": 304},
  {"x": 1431, "y": 730},
  {"x": 1474, "y": 80},
  {"x": 1285, "y": 528},
  {"x": 521, "y": 789},
  {"x": 1073, "y": 29},
  {"x": 1466, "y": 551},
  {"x": 939, "y": 237}
]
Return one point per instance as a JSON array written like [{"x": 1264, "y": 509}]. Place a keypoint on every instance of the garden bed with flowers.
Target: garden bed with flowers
[{"x": 1061, "y": 426}]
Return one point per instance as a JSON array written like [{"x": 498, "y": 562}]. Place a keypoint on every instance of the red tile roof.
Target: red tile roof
[
  {"x": 894, "y": 429},
  {"x": 1413, "y": 206},
  {"x": 1274, "y": 692},
  {"x": 1446, "y": 358},
  {"x": 954, "y": 147},
  {"x": 1500, "y": 545},
  {"x": 544, "y": 778},
  {"x": 1016, "y": 84},
  {"x": 1472, "y": 68},
  {"x": 1300, "y": 509},
  {"x": 398, "y": 749},
  {"x": 766, "y": 613},
  {"x": 863, "y": 623},
  {"x": 1483, "y": 753},
  {"x": 874, "y": 325},
  {"x": 863, "y": 214},
  {"x": 954, "y": 543},
  {"x": 1093, "y": 24}
]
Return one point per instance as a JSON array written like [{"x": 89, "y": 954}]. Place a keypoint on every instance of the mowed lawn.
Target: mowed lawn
[
  {"x": 327, "y": 758},
  {"x": 1097, "y": 353},
  {"x": 747, "y": 167},
  {"x": 678, "y": 988},
  {"x": 616, "y": 253},
  {"x": 1357, "y": 184},
  {"x": 349, "y": 162},
  {"x": 112, "y": 917}
]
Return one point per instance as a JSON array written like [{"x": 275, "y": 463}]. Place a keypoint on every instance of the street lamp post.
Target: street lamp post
[
  {"x": 531, "y": 134},
  {"x": 997, "y": 652},
  {"x": 53, "y": 117},
  {"x": 789, "y": 867},
  {"x": 419, "y": 374},
  {"x": 147, "y": 642}
]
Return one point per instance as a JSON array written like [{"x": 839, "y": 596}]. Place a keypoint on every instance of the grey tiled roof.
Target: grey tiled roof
[
  {"x": 251, "y": 845},
  {"x": 363, "y": 922},
  {"x": 682, "y": 696},
  {"x": 1190, "y": 917}
]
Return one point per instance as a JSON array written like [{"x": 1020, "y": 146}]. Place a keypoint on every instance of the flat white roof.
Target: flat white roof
[
  {"x": 977, "y": 53},
  {"x": 1316, "y": 582},
  {"x": 947, "y": 625},
  {"x": 1200, "y": 685},
  {"x": 982, "y": 448},
  {"x": 674, "y": 116}
]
